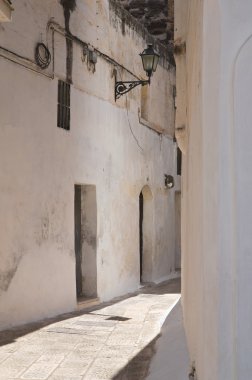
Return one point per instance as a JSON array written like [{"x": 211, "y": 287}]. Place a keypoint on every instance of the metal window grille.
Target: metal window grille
[{"x": 63, "y": 119}]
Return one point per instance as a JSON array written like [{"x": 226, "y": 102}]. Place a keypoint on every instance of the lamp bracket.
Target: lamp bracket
[{"x": 122, "y": 88}]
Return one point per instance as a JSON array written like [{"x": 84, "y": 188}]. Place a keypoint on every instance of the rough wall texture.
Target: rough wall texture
[
  {"x": 108, "y": 146},
  {"x": 156, "y": 15},
  {"x": 217, "y": 183}
]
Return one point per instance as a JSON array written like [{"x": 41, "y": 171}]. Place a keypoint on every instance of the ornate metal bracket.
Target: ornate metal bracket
[{"x": 122, "y": 88}]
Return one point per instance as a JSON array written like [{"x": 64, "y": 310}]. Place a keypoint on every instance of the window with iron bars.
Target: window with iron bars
[{"x": 63, "y": 119}]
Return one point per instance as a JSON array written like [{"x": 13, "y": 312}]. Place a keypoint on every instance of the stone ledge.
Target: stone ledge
[
  {"x": 85, "y": 303},
  {"x": 155, "y": 127}
]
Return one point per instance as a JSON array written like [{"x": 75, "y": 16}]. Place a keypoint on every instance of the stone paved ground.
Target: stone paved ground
[{"x": 114, "y": 341}]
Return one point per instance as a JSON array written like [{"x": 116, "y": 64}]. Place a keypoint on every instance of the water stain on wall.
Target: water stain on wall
[
  {"x": 43, "y": 232},
  {"x": 69, "y": 7},
  {"x": 6, "y": 276},
  {"x": 87, "y": 236}
]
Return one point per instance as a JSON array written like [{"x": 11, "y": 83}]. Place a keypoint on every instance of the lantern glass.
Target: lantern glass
[
  {"x": 150, "y": 60},
  {"x": 155, "y": 63}
]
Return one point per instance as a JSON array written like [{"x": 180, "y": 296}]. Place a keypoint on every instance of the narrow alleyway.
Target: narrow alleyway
[{"x": 113, "y": 341}]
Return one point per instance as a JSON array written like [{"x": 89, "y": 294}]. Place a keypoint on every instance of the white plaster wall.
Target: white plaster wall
[
  {"x": 242, "y": 255},
  {"x": 178, "y": 230},
  {"x": 106, "y": 147},
  {"x": 216, "y": 215}
]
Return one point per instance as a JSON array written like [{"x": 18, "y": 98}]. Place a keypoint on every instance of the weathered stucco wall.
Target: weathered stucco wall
[
  {"x": 106, "y": 147},
  {"x": 215, "y": 88}
]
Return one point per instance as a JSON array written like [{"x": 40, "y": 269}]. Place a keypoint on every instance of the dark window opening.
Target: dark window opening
[
  {"x": 78, "y": 242},
  {"x": 85, "y": 226},
  {"x": 179, "y": 161},
  {"x": 63, "y": 119},
  {"x": 141, "y": 201}
]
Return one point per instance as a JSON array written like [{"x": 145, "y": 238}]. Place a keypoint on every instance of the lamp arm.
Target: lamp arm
[{"x": 122, "y": 88}]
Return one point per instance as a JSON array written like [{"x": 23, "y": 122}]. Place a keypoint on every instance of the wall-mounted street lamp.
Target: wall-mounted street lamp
[
  {"x": 169, "y": 181},
  {"x": 150, "y": 60}
]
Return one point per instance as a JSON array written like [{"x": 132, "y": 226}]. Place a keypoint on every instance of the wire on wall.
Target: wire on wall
[
  {"x": 23, "y": 61},
  {"x": 33, "y": 65},
  {"x": 42, "y": 56},
  {"x": 130, "y": 126}
]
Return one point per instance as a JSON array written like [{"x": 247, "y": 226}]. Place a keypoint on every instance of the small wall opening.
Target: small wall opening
[
  {"x": 177, "y": 230},
  {"x": 179, "y": 161},
  {"x": 146, "y": 234},
  {"x": 85, "y": 240}
]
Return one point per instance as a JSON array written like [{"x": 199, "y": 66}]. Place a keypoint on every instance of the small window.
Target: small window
[
  {"x": 179, "y": 161},
  {"x": 63, "y": 120}
]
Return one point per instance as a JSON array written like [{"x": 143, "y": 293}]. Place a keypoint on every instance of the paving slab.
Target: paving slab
[{"x": 113, "y": 341}]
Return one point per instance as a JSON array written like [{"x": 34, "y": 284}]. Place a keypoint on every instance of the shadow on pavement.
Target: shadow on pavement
[
  {"x": 11, "y": 335},
  {"x": 138, "y": 367},
  {"x": 165, "y": 357}
]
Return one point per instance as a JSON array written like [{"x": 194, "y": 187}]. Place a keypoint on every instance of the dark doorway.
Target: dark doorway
[
  {"x": 85, "y": 221},
  {"x": 146, "y": 251},
  {"x": 141, "y": 200},
  {"x": 78, "y": 244},
  {"x": 179, "y": 161}
]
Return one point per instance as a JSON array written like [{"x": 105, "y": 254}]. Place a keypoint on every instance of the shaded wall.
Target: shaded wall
[{"x": 213, "y": 51}]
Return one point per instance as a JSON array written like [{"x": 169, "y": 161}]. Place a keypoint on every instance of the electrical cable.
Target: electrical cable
[
  {"x": 61, "y": 30},
  {"x": 130, "y": 126},
  {"x": 22, "y": 61},
  {"x": 42, "y": 56}
]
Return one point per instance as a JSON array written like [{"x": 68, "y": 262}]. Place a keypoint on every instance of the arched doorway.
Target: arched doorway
[{"x": 146, "y": 234}]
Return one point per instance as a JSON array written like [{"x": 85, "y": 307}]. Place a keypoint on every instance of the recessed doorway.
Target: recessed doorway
[
  {"x": 85, "y": 222},
  {"x": 146, "y": 234}
]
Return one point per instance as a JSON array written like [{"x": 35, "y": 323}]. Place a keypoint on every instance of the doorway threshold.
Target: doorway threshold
[
  {"x": 146, "y": 285},
  {"x": 87, "y": 302}
]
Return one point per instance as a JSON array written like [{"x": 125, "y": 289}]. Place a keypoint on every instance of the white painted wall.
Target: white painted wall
[
  {"x": 106, "y": 146},
  {"x": 216, "y": 211}
]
